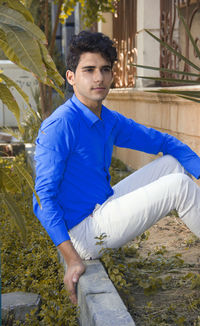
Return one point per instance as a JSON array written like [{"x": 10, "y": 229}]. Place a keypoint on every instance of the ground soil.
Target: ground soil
[
  {"x": 179, "y": 302},
  {"x": 172, "y": 233}
]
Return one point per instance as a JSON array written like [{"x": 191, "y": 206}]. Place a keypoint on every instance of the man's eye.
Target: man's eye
[
  {"x": 89, "y": 70},
  {"x": 106, "y": 69}
]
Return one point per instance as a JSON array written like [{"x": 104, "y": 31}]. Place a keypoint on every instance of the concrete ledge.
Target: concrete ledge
[{"x": 99, "y": 301}]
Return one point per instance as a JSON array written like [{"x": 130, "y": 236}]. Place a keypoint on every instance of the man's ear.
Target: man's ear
[{"x": 70, "y": 77}]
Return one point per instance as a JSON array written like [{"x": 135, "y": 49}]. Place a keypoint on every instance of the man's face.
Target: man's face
[{"x": 92, "y": 79}]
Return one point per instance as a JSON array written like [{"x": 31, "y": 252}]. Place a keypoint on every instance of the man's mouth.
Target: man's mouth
[{"x": 98, "y": 88}]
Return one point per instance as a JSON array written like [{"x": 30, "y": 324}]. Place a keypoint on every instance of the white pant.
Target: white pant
[{"x": 138, "y": 202}]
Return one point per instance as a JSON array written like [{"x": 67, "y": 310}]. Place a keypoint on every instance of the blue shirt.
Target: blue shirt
[{"x": 73, "y": 155}]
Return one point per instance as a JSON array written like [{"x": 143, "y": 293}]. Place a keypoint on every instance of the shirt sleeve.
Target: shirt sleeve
[
  {"x": 53, "y": 146},
  {"x": 131, "y": 134}
]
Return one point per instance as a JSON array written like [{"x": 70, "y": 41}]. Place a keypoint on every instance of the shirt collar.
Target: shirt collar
[
  {"x": 89, "y": 117},
  {"x": 108, "y": 118}
]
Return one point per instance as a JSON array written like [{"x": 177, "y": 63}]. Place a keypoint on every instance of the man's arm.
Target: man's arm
[
  {"x": 75, "y": 268},
  {"x": 54, "y": 143},
  {"x": 52, "y": 148},
  {"x": 131, "y": 134}
]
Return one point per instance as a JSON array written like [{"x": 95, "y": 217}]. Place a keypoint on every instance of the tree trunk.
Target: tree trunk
[{"x": 53, "y": 37}]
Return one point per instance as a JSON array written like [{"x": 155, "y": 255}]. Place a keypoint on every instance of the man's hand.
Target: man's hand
[
  {"x": 75, "y": 268},
  {"x": 74, "y": 271}
]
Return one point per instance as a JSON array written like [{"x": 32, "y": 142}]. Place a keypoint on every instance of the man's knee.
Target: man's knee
[
  {"x": 173, "y": 163},
  {"x": 182, "y": 185},
  {"x": 169, "y": 159}
]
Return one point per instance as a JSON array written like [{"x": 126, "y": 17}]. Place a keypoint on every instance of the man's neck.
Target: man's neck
[
  {"x": 94, "y": 106},
  {"x": 96, "y": 111}
]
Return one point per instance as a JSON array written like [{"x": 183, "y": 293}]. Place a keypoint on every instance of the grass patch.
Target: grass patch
[{"x": 157, "y": 289}]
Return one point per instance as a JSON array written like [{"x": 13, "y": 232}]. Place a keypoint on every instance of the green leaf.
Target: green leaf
[
  {"x": 8, "y": 50},
  {"x": 9, "y": 183},
  {"x": 190, "y": 99},
  {"x": 14, "y": 18},
  {"x": 50, "y": 83},
  {"x": 14, "y": 212},
  {"x": 11, "y": 83},
  {"x": 179, "y": 55},
  {"x": 18, "y": 6},
  {"x": 167, "y": 70},
  {"x": 172, "y": 80},
  {"x": 14, "y": 133},
  {"x": 177, "y": 92},
  {"x": 50, "y": 65},
  {"x": 26, "y": 49},
  {"x": 24, "y": 174},
  {"x": 27, "y": 177},
  {"x": 28, "y": 3},
  {"x": 9, "y": 100},
  {"x": 188, "y": 95},
  {"x": 34, "y": 113},
  {"x": 189, "y": 34}
]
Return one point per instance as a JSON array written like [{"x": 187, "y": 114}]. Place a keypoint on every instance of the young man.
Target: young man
[{"x": 73, "y": 155}]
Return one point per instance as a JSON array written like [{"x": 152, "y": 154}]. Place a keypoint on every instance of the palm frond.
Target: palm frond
[
  {"x": 26, "y": 177},
  {"x": 14, "y": 212}
]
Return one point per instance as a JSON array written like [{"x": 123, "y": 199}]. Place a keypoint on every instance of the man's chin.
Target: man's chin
[{"x": 100, "y": 97}]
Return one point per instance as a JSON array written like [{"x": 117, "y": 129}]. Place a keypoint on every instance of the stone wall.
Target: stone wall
[{"x": 167, "y": 113}]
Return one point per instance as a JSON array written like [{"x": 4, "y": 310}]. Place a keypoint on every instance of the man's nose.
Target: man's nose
[{"x": 98, "y": 75}]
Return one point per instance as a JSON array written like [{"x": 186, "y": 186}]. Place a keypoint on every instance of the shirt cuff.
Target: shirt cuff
[
  {"x": 58, "y": 233},
  {"x": 193, "y": 167}
]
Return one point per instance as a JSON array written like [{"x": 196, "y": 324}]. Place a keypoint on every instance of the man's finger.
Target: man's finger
[
  {"x": 75, "y": 277},
  {"x": 71, "y": 279},
  {"x": 72, "y": 293},
  {"x": 73, "y": 299},
  {"x": 71, "y": 287}
]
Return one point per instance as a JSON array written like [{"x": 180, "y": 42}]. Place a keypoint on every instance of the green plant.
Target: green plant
[
  {"x": 112, "y": 261},
  {"x": 29, "y": 127},
  {"x": 193, "y": 95},
  {"x": 144, "y": 284},
  {"x": 14, "y": 177},
  {"x": 24, "y": 43},
  {"x": 31, "y": 264},
  {"x": 91, "y": 11}
]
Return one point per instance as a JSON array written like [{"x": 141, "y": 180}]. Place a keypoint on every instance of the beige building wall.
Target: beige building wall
[
  {"x": 107, "y": 26},
  {"x": 167, "y": 113}
]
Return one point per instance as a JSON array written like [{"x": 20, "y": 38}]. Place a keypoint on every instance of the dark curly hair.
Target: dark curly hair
[{"x": 87, "y": 41}]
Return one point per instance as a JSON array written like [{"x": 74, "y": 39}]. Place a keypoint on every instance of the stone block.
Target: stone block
[{"x": 19, "y": 304}]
